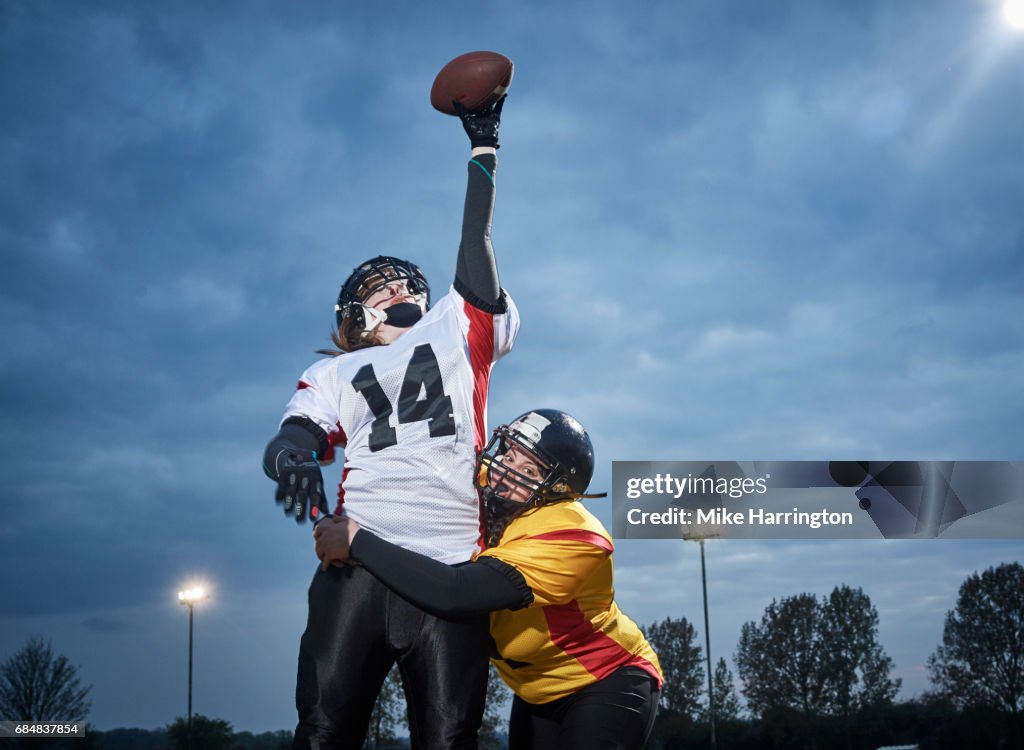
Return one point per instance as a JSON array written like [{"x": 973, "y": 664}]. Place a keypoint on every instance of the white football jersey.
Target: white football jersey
[{"x": 411, "y": 417}]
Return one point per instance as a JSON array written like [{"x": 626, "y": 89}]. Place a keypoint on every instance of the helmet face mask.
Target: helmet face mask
[
  {"x": 548, "y": 440},
  {"x": 544, "y": 484},
  {"x": 374, "y": 274}
]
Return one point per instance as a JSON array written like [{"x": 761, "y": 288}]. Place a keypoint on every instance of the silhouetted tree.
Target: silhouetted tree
[
  {"x": 858, "y": 668},
  {"x": 780, "y": 660},
  {"x": 809, "y": 659},
  {"x": 496, "y": 712},
  {"x": 132, "y": 739},
  {"x": 38, "y": 685},
  {"x": 727, "y": 703},
  {"x": 980, "y": 661},
  {"x": 681, "y": 662},
  {"x": 388, "y": 712},
  {"x": 279, "y": 740},
  {"x": 207, "y": 733}
]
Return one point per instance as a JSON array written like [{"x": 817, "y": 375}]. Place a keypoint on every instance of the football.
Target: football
[{"x": 474, "y": 79}]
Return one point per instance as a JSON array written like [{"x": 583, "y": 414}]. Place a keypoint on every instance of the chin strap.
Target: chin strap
[
  {"x": 403, "y": 315},
  {"x": 369, "y": 319},
  {"x": 498, "y": 514}
]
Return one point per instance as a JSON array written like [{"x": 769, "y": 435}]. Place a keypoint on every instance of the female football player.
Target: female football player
[
  {"x": 406, "y": 397},
  {"x": 583, "y": 674}
]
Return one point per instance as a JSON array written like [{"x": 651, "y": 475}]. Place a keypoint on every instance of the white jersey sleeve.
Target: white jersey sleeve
[
  {"x": 315, "y": 398},
  {"x": 476, "y": 323},
  {"x": 506, "y": 328}
]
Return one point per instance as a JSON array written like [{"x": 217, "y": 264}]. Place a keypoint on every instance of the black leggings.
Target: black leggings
[
  {"x": 356, "y": 631},
  {"x": 615, "y": 713}
]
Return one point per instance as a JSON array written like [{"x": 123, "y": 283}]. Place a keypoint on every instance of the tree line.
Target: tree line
[{"x": 811, "y": 674}]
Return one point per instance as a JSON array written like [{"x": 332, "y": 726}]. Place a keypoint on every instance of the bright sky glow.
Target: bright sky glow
[{"x": 1013, "y": 13}]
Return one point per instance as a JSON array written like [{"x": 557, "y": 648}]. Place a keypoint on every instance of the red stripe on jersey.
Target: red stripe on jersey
[
  {"x": 595, "y": 651},
  {"x": 335, "y": 437},
  {"x": 302, "y": 384},
  {"x": 480, "y": 339},
  {"x": 341, "y": 492},
  {"x": 579, "y": 535},
  {"x": 481, "y": 355}
]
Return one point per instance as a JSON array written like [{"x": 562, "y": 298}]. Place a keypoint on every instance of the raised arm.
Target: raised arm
[{"x": 476, "y": 275}]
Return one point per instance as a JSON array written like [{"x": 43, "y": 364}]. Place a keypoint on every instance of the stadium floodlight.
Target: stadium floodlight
[{"x": 189, "y": 598}]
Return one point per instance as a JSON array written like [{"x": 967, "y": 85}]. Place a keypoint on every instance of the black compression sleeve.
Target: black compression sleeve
[
  {"x": 476, "y": 275},
  {"x": 442, "y": 590}
]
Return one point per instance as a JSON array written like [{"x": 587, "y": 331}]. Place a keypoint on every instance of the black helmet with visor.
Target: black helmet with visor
[{"x": 565, "y": 458}]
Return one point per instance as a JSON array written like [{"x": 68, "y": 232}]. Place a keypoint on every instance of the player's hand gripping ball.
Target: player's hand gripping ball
[
  {"x": 475, "y": 80},
  {"x": 300, "y": 485},
  {"x": 481, "y": 125}
]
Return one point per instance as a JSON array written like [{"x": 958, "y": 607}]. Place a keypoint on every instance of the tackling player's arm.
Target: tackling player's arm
[
  {"x": 444, "y": 590},
  {"x": 476, "y": 275}
]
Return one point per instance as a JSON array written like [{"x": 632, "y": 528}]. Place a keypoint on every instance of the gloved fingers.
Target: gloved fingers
[
  {"x": 290, "y": 482},
  {"x": 302, "y": 498},
  {"x": 496, "y": 111},
  {"x": 318, "y": 501},
  {"x": 490, "y": 110}
]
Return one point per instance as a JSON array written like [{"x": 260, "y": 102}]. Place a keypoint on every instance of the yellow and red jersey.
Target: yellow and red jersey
[{"x": 573, "y": 634}]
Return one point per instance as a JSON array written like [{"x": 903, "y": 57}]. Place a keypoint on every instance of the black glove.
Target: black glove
[
  {"x": 290, "y": 459},
  {"x": 300, "y": 486},
  {"x": 482, "y": 124}
]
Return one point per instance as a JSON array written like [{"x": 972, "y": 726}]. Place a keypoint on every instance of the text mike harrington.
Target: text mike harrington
[{"x": 735, "y": 488}]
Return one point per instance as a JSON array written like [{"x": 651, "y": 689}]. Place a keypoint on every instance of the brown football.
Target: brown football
[{"x": 474, "y": 79}]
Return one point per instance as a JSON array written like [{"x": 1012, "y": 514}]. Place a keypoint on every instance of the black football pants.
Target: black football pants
[
  {"x": 356, "y": 631},
  {"x": 616, "y": 713}
]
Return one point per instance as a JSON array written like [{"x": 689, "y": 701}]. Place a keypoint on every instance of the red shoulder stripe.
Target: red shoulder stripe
[
  {"x": 481, "y": 354},
  {"x": 480, "y": 339},
  {"x": 578, "y": 535}
]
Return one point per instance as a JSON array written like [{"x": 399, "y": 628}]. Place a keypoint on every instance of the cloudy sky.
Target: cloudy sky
[{"x": 735, "y": 230}]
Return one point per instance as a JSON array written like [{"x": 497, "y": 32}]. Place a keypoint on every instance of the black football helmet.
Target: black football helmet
[
  {"x": 557, "y": 441},
  {"x": 367, "y": 277}
]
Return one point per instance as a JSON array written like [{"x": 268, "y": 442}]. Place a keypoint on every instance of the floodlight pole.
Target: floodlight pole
[
  {"x": 188, "y": 598},
  {"x": 190, "y": 610},
  {"x": 707, "y": 643},
  {"x": 707, "y": 630}
]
